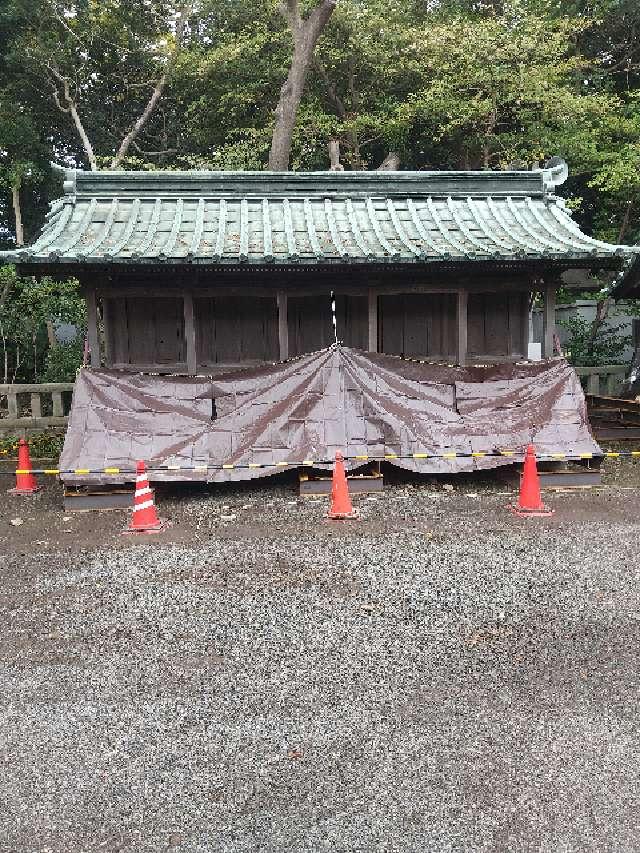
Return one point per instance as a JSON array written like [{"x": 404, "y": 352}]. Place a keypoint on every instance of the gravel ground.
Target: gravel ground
[{"x": 440, "y": 676}]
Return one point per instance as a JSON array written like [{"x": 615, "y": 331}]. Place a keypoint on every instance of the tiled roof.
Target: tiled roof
[{"x": 228, "y": 218}]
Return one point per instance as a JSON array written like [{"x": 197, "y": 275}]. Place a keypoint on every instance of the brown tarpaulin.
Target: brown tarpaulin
[{"x": 306, "y": 409}]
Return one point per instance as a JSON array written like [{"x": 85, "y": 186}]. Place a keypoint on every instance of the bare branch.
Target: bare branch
[
  {"x": 157, "y": 93},
  {"x": 17, "y": 212},
  {"x": 73, "y": 110},
  {"x": 336, "y": 101},
  {"x": 154, "y": 153}
]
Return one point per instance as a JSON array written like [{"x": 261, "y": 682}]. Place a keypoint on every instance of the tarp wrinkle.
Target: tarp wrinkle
[{"x": 335, "y": 399}]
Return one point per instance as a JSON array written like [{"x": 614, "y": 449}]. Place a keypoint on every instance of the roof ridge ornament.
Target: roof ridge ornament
[{"x": 555, "y": 172}]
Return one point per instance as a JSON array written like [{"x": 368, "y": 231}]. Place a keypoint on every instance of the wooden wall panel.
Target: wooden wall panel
[
  {"x": 145, "y": 331},
  {"x": 352, "y": 320},
  {"x": 496, "y": 323},
  {"x": 155, "y": 330},
  {"x": 233, "y": 328},
  {"x": 311, "y": 326},
  {"x": 117, "y": 331},
  {"x": 310, "y": 323},
  {"x": 418, "y": 325}
]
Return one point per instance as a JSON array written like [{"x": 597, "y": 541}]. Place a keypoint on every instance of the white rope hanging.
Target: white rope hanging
[{"x": 333, "y": 318}]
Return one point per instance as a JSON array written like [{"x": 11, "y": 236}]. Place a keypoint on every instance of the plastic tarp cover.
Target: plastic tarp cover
[{"x": 308, "y": 408}]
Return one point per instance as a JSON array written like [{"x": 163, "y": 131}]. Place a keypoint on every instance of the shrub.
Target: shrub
[{"x": 607, "y": 346}]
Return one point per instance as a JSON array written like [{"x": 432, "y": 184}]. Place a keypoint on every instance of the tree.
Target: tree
[
  {"x": 105, "y": 66},
  {"x": 305, "y": 32}
]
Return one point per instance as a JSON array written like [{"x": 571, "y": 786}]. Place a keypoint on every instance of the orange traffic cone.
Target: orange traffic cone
[
  {"x": 341, "y": 507},
  {"x": 144, "y": 518},
  {"x": 530, "y": 501},
  {"x": 25, "y": 480}
]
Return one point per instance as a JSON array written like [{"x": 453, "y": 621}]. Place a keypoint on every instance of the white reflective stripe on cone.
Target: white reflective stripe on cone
[
  {"x": 145, "y": 491},
  {"x": 141, "y": 478},
  {"x": 143, "y": 505}
]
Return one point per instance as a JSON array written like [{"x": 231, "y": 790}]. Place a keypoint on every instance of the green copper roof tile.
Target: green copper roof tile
[
  {"x": 402, "y": 234},
  {"x": 244, "y": 230},
  {"x": 326, "y": 217},
  {"x": 547, "y": 228},
  {"x": 103, "y": 233},
  {"x": 198, "y": 228},
  {"x": 267, "y": 236},
  {"x": 333, "y": 229},
  {"x": 222, "y": 229},
  {"x": 377, "y": 230},
  {"x": 358, "y": 236},
  {"x": 464, "y": 230},
  {"x": 127, "y": 230},
  {"x": 483, "y": 225},
  {"x": 59, "y": 226},
  {"x": 526, "y": 227},
  {"x": 169, "y": 244},
  {"x": 147, "y": 239},
  {"x": 446, "y": 235},
  {"x": 311, "y": 229},
  {"x": 499, "y": 214},
  {"x": 82, "y": 228},
  {"x": 422, "y": 231},
  {"x": 288, "y": 229}
]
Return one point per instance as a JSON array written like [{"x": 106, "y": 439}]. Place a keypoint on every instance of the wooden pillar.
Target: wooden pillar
[
  {"x": 190, "y": 334},
  {"x": 548, "y": 319},
  {"x": 525, "y": 325},
  {"x": 462, "y": 327},
  {"x": 283, "y": 326},
  {"x": 92, "y": 326},
  {"x": 373, "y": 319}
]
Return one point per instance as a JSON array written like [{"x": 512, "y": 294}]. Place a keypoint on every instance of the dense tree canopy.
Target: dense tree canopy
[{"x": 450, "y": 84}]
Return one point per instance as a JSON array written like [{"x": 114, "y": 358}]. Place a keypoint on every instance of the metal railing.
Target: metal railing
[
  {"x": 34, "y": 407},
  {"x": 605, "y": 380}
]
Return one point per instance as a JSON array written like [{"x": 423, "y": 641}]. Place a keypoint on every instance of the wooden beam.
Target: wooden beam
[
  {"x": 190, "y": 334},
  {"x": 92, "y": 326},
  {"x": 283, "y": 326},
  {"x": 303, "y": 288},
  {"x": 462, "y": 327},
  {"x": 524, "y": 335},
  {"x": 373, "y": 319},
  {"x": 107, "y": 331},
  {"x": 548, "y": 319}
]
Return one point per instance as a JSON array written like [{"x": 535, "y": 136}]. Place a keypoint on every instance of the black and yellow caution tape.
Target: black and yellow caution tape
[{"x": 516, "y": 455}]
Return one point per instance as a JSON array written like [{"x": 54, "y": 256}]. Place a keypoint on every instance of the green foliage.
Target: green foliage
[
  {"x": 28, "y": 305},
  {"x": 62, "y": 362},
  {"x": 43, "y": 445},
  {"x": 585, "y": 350},
  {"x": 454, "y": 84}
]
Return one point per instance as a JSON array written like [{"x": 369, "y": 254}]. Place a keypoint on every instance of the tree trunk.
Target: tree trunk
[
  {"x": 305, "y": 33},
  {"x": 51, "y": 335},
  {"x": 287, "y": 110},
  {"x": 602, "y": 308},
  {"x": 391, "y": 163},
  {"x": 334, "y": 156},
  {"x": 17, "y": 212},
  {"x": 86, "y": 143}
]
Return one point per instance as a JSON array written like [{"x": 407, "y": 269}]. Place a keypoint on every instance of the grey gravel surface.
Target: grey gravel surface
[{"x": 440, "y": 676}]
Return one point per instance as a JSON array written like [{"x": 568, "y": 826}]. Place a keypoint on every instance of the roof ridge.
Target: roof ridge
[{"x": 253, "y": 184}]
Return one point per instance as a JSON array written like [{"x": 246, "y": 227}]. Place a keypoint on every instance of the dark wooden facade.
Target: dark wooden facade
[{"x": 190, "y": 328}]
